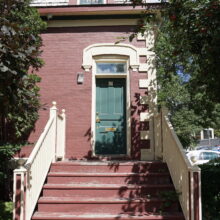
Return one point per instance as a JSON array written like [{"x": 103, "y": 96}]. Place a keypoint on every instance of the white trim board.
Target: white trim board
[{"x": 90, "y": 23}]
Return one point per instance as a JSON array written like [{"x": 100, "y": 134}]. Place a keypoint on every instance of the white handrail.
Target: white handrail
[
  {"x": 39, "y": 165},
  {"x": 31, "y": 177},
  {"x": 39, "y": 143},
  {"x": 186, "y": 177},
  {"x": 180, "y": 146}
]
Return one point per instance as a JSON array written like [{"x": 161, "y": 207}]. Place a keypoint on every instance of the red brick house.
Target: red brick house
[{"x": 110, "y": 154}]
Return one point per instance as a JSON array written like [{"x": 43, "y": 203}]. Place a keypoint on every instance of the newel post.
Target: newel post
[
  {"x": 163, "y": 113},
  {"x": 19, "y": 189},
  {"x": 61, "y": 135},
  {"x": 53, "y": 114}
]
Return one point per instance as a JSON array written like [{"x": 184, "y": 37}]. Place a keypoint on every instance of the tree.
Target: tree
[
  {"x": 20, "y": 44},
  {"x": 195, "y": 28},
  {"x": 188, "y": 53}
]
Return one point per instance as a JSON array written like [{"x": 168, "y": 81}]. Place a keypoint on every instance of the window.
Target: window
[
  {"x": 91, "y": 2},
  {"x": 208, "y": 156},
  {"x": 49, "y": 2},
  {"x": 207, "y": 133},
  {"x": 111, "y": 68}
]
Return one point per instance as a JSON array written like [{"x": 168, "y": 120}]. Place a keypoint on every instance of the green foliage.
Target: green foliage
[
  {"x": 217, "y": 133},
  {"x": 22, "y": 116},
  {"x": 210, "y": 173},
  {"x": 173, "y": 89},
  {"x": 170, "y": 197},
  {"x": 195, "y": 29},
  {"x": 20, "y": 44},
  {"x": 6, "y": 209},
  {"x": 6, "y": 153},
  {"x": 188, "y": 53}
]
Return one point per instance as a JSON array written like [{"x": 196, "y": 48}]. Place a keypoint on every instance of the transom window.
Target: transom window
[
  {"x": 111, "y": 65},
  {"x": 111, "y": 68}
]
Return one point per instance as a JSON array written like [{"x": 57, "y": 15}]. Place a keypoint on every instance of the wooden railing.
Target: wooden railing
[
  {"x": 185, "y": 177},
  {"x": 29, "y": 179}
]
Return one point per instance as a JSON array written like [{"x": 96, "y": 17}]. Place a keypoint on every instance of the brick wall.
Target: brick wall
[{"x": 63, "y": 51}]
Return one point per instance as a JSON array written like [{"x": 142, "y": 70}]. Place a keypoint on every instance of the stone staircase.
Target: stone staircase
[{"x": 108, "y": 191}]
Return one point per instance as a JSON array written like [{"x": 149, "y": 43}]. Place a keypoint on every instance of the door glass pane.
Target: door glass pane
[{"x": 111, "y": 68}]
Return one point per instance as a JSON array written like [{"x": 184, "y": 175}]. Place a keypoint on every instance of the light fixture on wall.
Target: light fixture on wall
[
  {"x": 49, "y": 16},
  {"x": 80, "y": 78}
]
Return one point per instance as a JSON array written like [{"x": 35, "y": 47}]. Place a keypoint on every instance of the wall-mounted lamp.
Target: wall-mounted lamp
[
  {"x": 49, "y": 16},
  {"x": 80, "y": 78}
]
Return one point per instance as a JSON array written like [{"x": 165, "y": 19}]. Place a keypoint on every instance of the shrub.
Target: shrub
[
  {"x": 6, "y": 209},
  {"x": 210, "y": 176}
]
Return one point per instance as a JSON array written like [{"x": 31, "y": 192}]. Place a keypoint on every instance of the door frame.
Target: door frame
[{"x": 127, "y": 106}]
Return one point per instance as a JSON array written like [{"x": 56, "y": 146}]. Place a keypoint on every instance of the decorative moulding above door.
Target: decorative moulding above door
[{"x": 111, "y": 49}]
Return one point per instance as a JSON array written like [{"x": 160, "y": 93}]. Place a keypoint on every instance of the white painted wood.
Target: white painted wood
[
  {"x": 110, "y": 49},
  {"x": 157, "y": 136},
  {"x": 143, "y": 67},
  {"x": 38, "y": 164},
  {"x": 22, "y": 173},
  {"x": 145, "y": 116},
  {"x": 61, "y": 135},
  {"x": 179, "y": 167},
  {"x": 150, "y": 39},
  {"x": 145, "y": 52},
  {"x": 145, "y": 135},
  {"x": 141, "y": 36},
  {"x": 143, "y": 83},
  {"x": 147, "y": 154}
]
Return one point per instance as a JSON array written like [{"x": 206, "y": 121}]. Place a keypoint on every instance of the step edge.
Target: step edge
[
  {"x": 57, "y": 214},
  {"x": 103, "y": 163},
  {"x": 65, "y": 174},
  {"x": 105, "y": 186},
  {"x": 63, "y": 200}
]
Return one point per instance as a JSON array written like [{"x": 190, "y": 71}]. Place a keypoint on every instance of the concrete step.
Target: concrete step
[
  {"x": 105, "y": 190},
  {"x": 109, "y": 167},
  {"x": 110, "y": 178},
  {"x": 103, "y": 216},
  {"x": 104, "y": 205}
]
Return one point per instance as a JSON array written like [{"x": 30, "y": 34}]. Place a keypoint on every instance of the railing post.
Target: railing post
[
  {"x": 53, "y": 113},
  {"x": 163, "y": 113},
  {"x": 196, "y": 204},
  {"x": 61, "y": 135},
  {"x": 19, "y": 188},
  {"x": 157, "y": 136}
]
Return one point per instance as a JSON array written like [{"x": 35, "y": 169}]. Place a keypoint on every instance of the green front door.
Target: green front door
[{"x": 110, "y": 117}]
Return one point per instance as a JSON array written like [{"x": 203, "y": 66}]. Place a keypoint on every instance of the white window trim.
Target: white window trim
[
  {"x": 128, "y": 107},
  {"x": 49, "y": 2}
]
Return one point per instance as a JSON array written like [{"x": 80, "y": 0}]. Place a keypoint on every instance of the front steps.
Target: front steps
[{"x": 106, "y": 191}]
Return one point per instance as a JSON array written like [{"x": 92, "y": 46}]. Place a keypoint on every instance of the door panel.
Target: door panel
[{"x": 110, "y": 117}]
